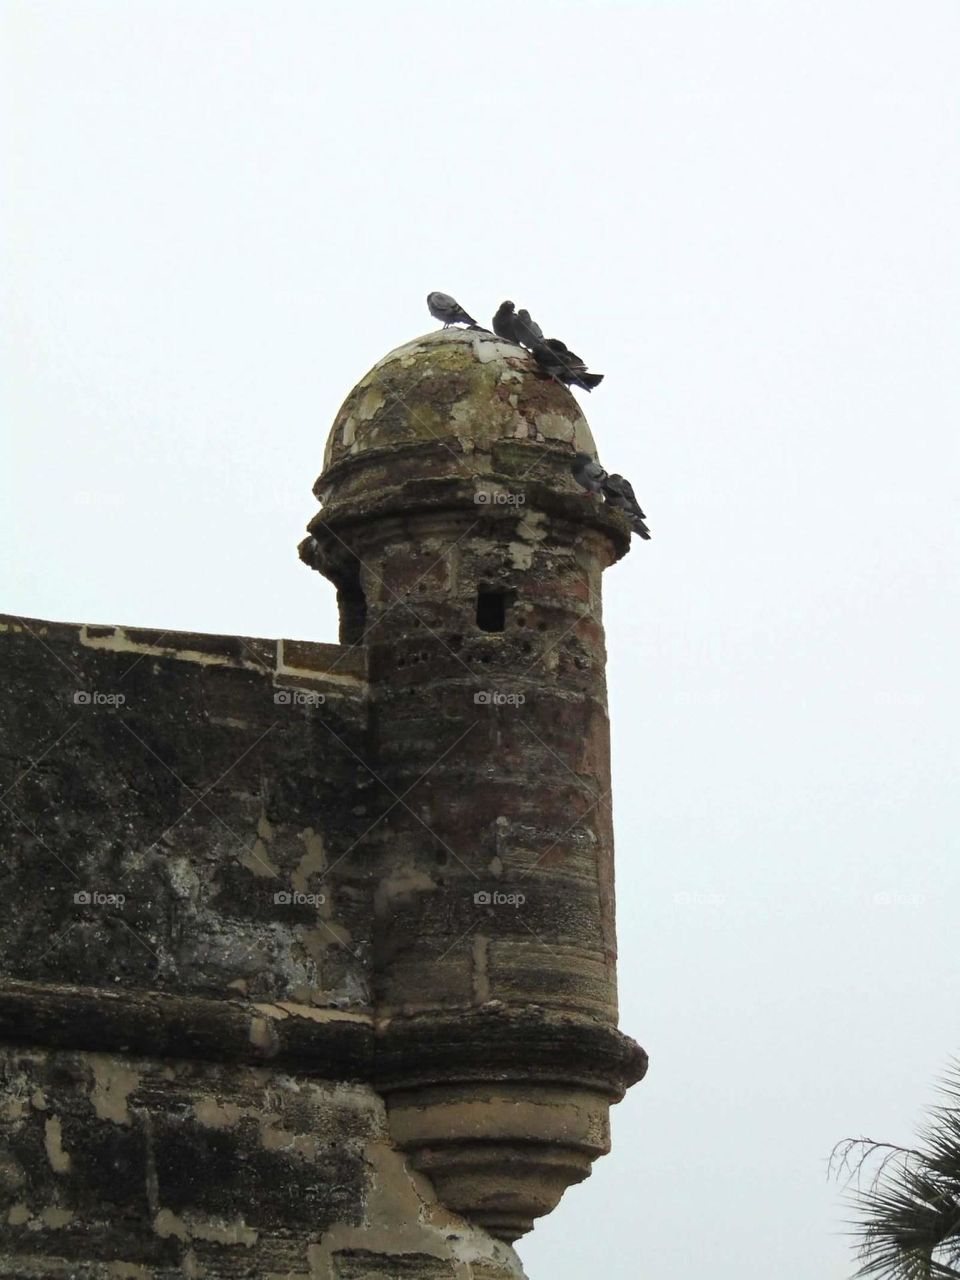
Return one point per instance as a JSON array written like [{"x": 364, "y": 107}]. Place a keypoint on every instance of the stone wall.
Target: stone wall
[
  {"x": 115, "y": 1165},
  {"x": 309, "y": 961},
  {"x": 187, "y": 1063},
  {"x": 200, "y": 778}
]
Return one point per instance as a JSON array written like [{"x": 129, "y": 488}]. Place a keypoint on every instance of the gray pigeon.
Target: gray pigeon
[
  {"x": 618, "y": 491},
  {"x": 588, "y": 472},
  {"x": 573, "y": 367},
  {"x": 554, "y": 359},
  {"x": 505, "y": 323},
  {"x": 529, "y": 332},
  {"x": 443, "y": 307},
  {"x": 619, "y": 494},
  {"x": 549, "y": 360}
]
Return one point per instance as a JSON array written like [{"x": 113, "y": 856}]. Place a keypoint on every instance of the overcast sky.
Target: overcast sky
[{"x": 217, "y": 216}]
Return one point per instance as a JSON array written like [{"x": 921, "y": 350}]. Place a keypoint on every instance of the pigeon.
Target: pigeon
[
  {"x": 588, "y": 472},
  {"x": 618, "y": 491},
  {"x": 573, "y": 368},
  {"x": 443, "y": 307},
  {"x": 549, "y": 360},
  {"x": 565, "y": 366},
  {"x": 505, "y": 323},
  {"x": 529, "y": 332},
  {"x": 619, "y": 494}
]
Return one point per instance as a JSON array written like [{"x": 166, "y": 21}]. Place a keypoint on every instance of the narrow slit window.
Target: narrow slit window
[
  {"x": 491, "y": 609},
  {"x": 353, "y": 613}
]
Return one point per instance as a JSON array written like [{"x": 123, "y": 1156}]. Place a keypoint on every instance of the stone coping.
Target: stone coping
[{"x": 296, "y": 659}]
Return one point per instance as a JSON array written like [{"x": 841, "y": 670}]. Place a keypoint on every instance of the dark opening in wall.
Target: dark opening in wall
[
  {"x": 353, "y": 612},
  {"x": 491, "y": 609}
]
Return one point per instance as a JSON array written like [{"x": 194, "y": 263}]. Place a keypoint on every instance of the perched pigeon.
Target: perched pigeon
[
  {"x": 618, "y": 491},
  {"x": 529, "y": 332},
  {"x": 505, "y": 323},
  {"x": 555, "y": 360},
  {"x": 443, "y": 307},
  {"x": 549, "y": 360},
  {"x": 588, "y": 472},
  {"x": 619, "y": 494},
  {"x": 573, "y": 368}
]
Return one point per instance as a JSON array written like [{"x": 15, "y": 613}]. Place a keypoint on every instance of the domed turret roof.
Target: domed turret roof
[
  {"x": 455, "y": 418},
  {"x": 455, "y": 393}
]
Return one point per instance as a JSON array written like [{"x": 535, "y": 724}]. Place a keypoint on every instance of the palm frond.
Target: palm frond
[{"x": 908, "y": 1217}]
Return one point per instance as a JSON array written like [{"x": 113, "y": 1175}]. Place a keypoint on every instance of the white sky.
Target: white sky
[{"x": 219, "y": 215}]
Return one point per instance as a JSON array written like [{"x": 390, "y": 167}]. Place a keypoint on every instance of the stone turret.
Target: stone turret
[
  {"x": 468, "y": 565},
  {"x": 309, "y": 966}
]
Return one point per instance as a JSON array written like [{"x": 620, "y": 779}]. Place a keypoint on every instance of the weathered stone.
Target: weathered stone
[{"x": 311, "y": 970}]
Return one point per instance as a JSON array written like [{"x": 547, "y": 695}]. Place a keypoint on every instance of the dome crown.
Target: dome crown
[{"x": 452, "y": 397}]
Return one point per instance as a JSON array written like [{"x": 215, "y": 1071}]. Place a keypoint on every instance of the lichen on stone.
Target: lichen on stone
[{"x": 463, "y": 390}]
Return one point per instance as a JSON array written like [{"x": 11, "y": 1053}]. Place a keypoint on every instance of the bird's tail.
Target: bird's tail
[
  {"x": 589, "y": 380},
  {"x": 640, "y": 528}
]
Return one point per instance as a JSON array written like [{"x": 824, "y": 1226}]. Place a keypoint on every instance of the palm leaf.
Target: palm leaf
[{"x": 907, "y": 1221}]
